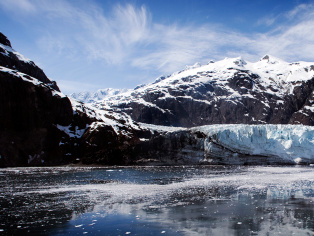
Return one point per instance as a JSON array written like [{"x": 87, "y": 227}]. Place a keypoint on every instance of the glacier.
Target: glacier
[{"x": 286, "y": 143}]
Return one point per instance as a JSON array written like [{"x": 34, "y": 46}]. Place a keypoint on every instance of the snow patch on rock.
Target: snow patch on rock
[
  {"x": 8, "y": 50},
  {"x": 72, "y": 132}
]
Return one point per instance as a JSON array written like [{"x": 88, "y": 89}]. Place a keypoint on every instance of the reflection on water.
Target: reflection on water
[{"x": 212, "y": 200}]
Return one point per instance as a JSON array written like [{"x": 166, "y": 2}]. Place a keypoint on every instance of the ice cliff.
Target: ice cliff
[{"x": 280, "y": 143}]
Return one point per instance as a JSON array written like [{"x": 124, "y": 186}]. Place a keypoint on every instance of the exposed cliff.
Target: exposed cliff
[{"x": 31, "y": 108}]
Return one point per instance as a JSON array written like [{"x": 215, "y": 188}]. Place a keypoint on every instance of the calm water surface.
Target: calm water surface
[{"x": 214, "y": 200}]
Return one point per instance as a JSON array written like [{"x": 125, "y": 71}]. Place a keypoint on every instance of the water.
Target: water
[{"x": 211, "y": 200}]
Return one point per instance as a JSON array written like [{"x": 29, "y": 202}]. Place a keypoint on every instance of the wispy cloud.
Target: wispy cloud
[
  {"x": 177, "y": 46},
  {"x": 299, "y": 11},
  {"x": 293, "y": 39},
  {"x": 128, "y": 35},
  {"x": 267, "y": 20},
  {"x": 18, "y": 5}
]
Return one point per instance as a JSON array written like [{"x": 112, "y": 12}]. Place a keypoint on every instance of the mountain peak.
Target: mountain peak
[
  {"x": 271, "y": 59},
  {"x": 239, "y": 61},
  {"x": 266, "y": 57},
  {"x": 4, "y": 40},
  {"x": 196, "y": 65}
]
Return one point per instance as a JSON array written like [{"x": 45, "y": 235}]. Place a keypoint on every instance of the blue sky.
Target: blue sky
[{"x": 93, "y": 44}]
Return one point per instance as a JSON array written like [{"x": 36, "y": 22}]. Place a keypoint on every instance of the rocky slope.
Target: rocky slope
[
  {"x": 31, "y": 108},
  {"x": 230, "y": 91},
  {"x": 173, "y": 120}
]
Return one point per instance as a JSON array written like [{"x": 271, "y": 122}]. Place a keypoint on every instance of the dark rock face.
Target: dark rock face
[
  {"x": 30, "y": 106},
  {"x": 4, "y": 40},
  {"x": 104, "y": 146},
  {"x": 29, "y": 114},
  {"x": 302, "y": 103},
  {"x": 175, "y": 148}
]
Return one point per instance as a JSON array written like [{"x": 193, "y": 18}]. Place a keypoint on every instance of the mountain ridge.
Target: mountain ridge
[
  {"x": 268, "y": 91},
  {"x": 100, "y": 94}
]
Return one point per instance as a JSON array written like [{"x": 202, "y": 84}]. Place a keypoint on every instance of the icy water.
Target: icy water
[{"x": 211, "y": 200}]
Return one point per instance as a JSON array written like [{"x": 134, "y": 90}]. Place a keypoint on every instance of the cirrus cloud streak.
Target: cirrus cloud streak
[{"x": 127, "y": 35}]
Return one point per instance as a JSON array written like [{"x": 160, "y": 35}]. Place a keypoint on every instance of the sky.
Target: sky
[{"x": 85, "y": 45}]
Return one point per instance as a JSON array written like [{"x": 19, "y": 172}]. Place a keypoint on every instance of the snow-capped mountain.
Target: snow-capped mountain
[
  {"x": 90, "y": 97},
  {"x": 231, "y": 91},
  {"x": 174, "y": 119},
  {"x": 225, "y": 112}
]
